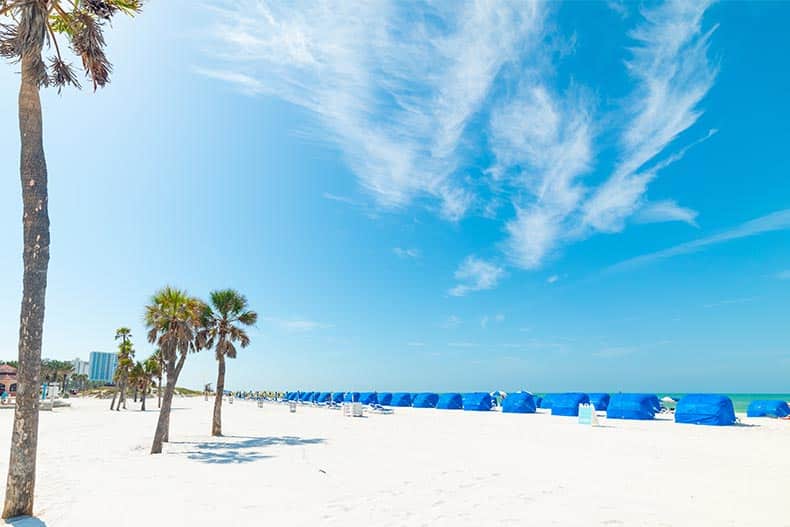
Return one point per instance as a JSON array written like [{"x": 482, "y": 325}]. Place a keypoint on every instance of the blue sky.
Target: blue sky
[{"x": 445, "y": 196}]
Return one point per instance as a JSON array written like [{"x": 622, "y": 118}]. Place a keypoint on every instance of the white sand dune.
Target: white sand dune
[{"x": 416, "y": 467}]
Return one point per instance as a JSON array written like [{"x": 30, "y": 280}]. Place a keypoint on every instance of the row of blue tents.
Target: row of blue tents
[
  {"x": 708, "y": 409},
  {"x": 479, "y": 401}
]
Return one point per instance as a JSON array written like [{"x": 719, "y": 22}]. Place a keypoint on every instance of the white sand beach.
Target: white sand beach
[{"x": 415, "y": 467}]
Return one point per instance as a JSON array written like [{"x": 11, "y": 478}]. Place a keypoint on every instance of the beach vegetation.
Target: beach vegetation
[
  {"x": 173, "y": 320},
  {"x": 223, "y": 327}
]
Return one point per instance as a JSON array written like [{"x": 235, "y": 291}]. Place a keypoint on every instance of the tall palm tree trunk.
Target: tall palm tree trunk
[
  {"x": 21, "y": 481},
  {"x": 142, "y": 396},
  {"x": 216, "y": 422},
  {"x": 114, "y": 396},
  {"x": 162, "y": 434}
]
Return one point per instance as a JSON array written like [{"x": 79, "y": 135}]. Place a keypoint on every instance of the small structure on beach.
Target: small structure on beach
[
  {"x": 599, "y": 400},
  {"x": 337, "y": 397},
  {"x": 477, "y": 401},
  {"x": 546, "y": 400},
  {"x": 401, "y": 399},
  {"x": 450, "y": 401},
  {"x": 351, "y": 397},
  {"x": 768, "y": 408},
  {"x": 324, "y": 397},
  {"x": 519, "y": 403},
  {"x": 425, "y": 400},
  {"x": 567, "y": 404},
  {"x": 641, "y": 406},
  {"x": 368, "y": 398},
  {"x": 8, "y": 379},
  {"x": 705, "y": 409}
]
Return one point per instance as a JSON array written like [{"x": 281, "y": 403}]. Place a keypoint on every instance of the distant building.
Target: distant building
[
  {"x": 7, "y": 379},
  {"x": 102, "y": 366},
  {"x": 80, "y": 367}
]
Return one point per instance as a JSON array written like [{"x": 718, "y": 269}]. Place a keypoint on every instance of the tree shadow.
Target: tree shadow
[
  {"x": 238, "y": 449},
  {"x": 25, "y": 521}
]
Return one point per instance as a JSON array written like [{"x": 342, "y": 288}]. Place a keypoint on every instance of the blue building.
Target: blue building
[{"x": 102, "y": 366}]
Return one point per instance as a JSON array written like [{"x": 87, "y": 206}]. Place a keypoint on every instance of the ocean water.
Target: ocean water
[{"x": 741, "y": 400}]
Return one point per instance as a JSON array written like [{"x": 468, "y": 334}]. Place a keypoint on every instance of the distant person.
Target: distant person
[{"x": 3, "y": 396}]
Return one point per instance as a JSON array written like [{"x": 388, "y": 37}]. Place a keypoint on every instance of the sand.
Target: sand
[{"x": 415, "y": 467}]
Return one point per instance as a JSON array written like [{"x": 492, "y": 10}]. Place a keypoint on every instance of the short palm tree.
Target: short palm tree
[
  {"x": 150, "y": 371},
  {"x": 25, "y": 27},
  {"x": 222, "y": 327},
  {"x": 125, "y": 363},
  {"x": 173, "y": 322}
]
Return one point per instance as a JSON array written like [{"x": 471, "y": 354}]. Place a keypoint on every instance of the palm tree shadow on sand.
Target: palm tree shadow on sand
[
  {"x": 24, "y": 521},
  {"x": 234, "y": 449}
]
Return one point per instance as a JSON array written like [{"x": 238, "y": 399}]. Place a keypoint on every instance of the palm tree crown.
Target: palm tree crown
[
  {"x": 221, "y": 322},
  {"x": 173, "y": 319}
]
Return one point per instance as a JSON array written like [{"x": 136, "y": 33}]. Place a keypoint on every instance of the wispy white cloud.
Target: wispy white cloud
[
  {"x": 340, "y": 199},
  {"x": 396, "y": 88},
  {"x": 416, "y": 344},
  {"x": 667, "y": 210},
  {"x": 776, "y": 221},
  {"x": 499, "y": 317},
  {"x": 673, "y": 74},
  {"x": 395, "y": 84},
  {"x": 543, "y": 142},
  {"x": 553, "y": 278},
  {"x": 475, "y": 274},
  {"x": 406, "y": 253},
  {"x": 451, "y": 322},
  {"x": 297, "y": 324}
]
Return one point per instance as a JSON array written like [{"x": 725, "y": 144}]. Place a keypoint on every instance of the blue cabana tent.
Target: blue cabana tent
[
  {"x": 477, "y": 401},
  {"x": 538, "y": 401},
  {"x": 599, "y": 400},
  {"x": 305, "y": 396},
  {"x": 450, "y": 401},
  {"x": 705, "y": 409},
  {"x": 368, "y": 398},
  {"x": 351, "y": 397},
  {"x": 337, "y": 397},
  {"x": 401, "y": 399},
  {"x": 768, "y": 408},
  {"x": 633, "y": 406},
  {"x": 425, "y": 400},
  {"x": 323, "y": 397},
  {"x": 519, "y": 403},
  {"x": 314, "y": 397},
  {"x": 385, "y": 399},
  {"x": 568, "y": 403},
  {"x": 546, "y": 400}
]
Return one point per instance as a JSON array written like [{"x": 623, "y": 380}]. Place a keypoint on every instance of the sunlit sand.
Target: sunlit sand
[{"x": 415, "y": 467}]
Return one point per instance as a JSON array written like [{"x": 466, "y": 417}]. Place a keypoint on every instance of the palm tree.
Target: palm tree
[
  {"x": 125, "y": 363},
  {"x": 173, "y": 320},
  {"x": 150, "y": 371},
  {"x": 28, "y": 24},
  {"x": 221, "y": 326}
]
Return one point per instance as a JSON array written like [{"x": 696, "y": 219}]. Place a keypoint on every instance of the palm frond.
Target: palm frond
[{"x": 88, "y": 42}]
